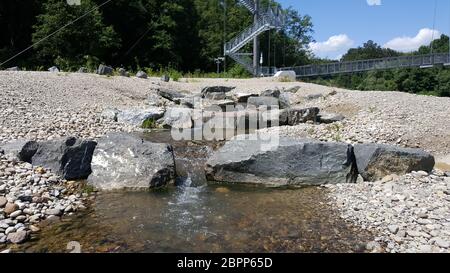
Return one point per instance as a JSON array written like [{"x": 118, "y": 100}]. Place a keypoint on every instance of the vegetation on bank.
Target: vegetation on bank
[{"x": 430, "y": 81}]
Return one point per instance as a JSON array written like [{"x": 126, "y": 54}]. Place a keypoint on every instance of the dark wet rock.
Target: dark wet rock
[
  {"x": 282, "y": 162},
  {"x": 297, "y": 115},
  {"x": 124, "y": 161},
  {"x": 177, "y": 118},
  {"x": 171, "y": 95},
  {"x": 70, "y": 158},
  {"x": 376, "y": 161},
  {"x": 105, "y": 70},
  {"x": 327, "y": 118},
  {"x": 141, "y": 75},
  {"x": 263, "y": 101},
  {"x": 137, "y": 117},
  {"x": 20, "y": 149},
  {"x": 216, "y": 89},
  {"x": 271, "y": 93}
]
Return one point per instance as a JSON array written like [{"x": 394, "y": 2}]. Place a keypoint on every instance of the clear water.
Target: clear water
[{"x": 197, "y": 217}]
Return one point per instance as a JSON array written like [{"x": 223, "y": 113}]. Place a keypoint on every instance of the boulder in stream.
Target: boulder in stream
[
  {"x": 282, "y": 162},
  {"x": 125, "y": 161}
]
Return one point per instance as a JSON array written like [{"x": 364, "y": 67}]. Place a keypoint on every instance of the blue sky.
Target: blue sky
[{"x": 403, "y": 25}]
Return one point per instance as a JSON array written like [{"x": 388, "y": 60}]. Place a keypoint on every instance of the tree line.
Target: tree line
[
  {"x": 185, "y": 35},
  {"x": 430, "y": 81}
]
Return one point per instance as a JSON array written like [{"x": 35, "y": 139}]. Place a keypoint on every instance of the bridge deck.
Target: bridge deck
[{"x": 367, "y": 65}]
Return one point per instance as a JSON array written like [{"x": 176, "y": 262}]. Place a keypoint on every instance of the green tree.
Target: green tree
[{"x": 89, "y": 36}]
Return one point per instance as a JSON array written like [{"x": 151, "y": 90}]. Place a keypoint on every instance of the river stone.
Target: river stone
[
  {"x": 171, "y": 95},
  {"x": 82, "y": 70},
  {"x": 125, "y": 161},
  {"x": 376, "y": 161},
  {"x": 285, "y": 100},
  {"x": 243, "y": 97},
  {"x": 3, "y": 201},
  {"x": 177, "y": 118},
  {"x": 271, "y": 93},
  {"x": 328, "y": 118},
  {"x": 17, "y": 237},
  {"x": 263, "y": 101},
  {"x": 104, "y": 70},
  {"x": 141, "y": 75},
  {"x": 216, "y": 89},
  {"x": 110, "y": 114},
  {"x": 15, "y": 68},
  {"x": 282, "y": 162},
  {"x": 297, "y": 115},
  {"x": 123, "y": 72},
  {"x": 70, "y": 158},
  {"x": 137, "y": 117},
  {"x": 10, "y": 208},
  {"x": 53, "y": 69}
]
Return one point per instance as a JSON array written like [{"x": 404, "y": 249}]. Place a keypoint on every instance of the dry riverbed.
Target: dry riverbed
[{"x": 410, "y": 213}]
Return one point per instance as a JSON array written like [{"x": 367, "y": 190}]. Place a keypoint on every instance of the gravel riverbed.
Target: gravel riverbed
[{"x": 410, "y": 213}]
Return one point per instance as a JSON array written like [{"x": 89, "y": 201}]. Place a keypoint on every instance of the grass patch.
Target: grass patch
[{"x": 149, "y": 124}]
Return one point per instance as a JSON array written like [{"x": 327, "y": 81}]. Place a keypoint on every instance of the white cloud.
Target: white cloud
[
  {"x": 374, "y": 2},
  {"x": 408, "y": 44},
  {"x": 333, "y": 48}
]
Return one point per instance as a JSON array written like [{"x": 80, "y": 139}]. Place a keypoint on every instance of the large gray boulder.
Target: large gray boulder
[
  {"x": 177, "y": 118},
  {"x": 297, "y": 115},
  {"x": 376, "y": 161},
  {"x": 70, "y": 158},
  {"x": 137, "y": 117},
  {"x": 282, "y": 162},
  {"x": 171, "y": 95},
  {"x": 124, "y": 161},
  {"x": 105, "y": 70}
]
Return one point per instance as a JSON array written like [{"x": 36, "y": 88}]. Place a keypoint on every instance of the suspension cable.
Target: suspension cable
[{"x": 56, "y": 32}]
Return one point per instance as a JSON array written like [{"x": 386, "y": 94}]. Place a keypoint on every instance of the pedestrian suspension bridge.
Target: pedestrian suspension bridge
[{"x": 273, "y": 17}]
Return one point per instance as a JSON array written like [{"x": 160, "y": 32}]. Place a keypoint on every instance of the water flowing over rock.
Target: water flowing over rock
[
  {"x": 282, "y": 162},
  {"x": 124, "y": 161},
  {"x": 376, "y": 161}
]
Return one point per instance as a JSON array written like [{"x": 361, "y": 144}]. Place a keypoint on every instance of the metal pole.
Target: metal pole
[
  {"x": 256, "y": 43},
  {"x": 224, "y": 34}
]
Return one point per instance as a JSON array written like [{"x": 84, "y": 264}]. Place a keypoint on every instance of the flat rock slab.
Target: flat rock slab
[
  {"x": 376, "y": 161},
  {"x": 216, "y": 89},
  {"x": 137, "y": 117},
  {"x": 171, "y": 95},
  {"x": 282, "y": 162},
  {"x": 124, "y": 161}
]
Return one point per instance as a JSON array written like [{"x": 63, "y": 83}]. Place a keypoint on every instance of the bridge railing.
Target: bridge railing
[{"x": 372, "y": 64}]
